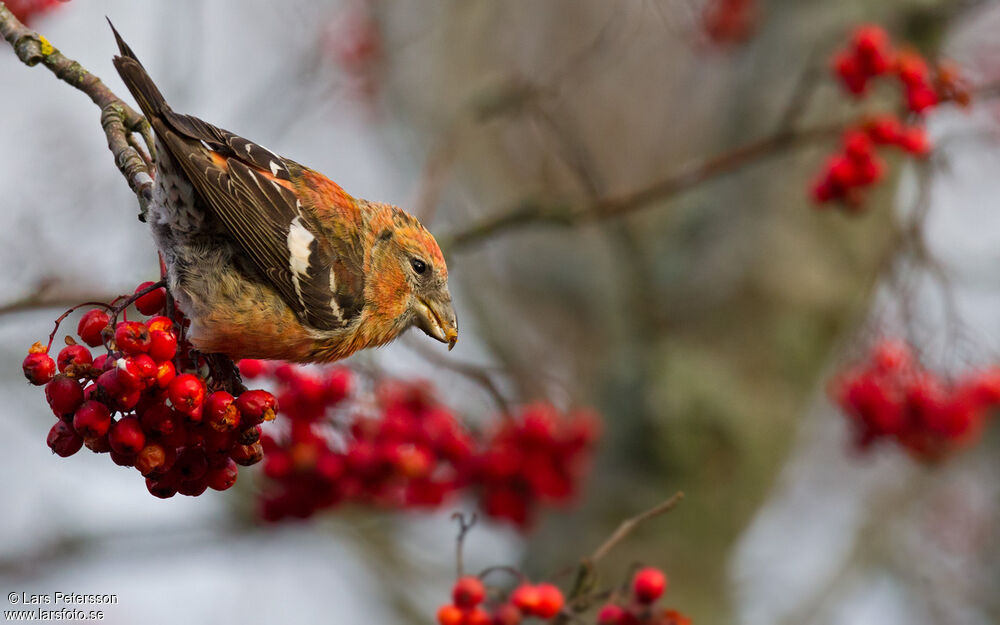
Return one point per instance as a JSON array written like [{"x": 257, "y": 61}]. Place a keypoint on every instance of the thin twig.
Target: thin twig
[
  {"x": 118, "y": 119},
  {"x": 628, "y": 526},
  {"x": 583, "y": 585},
  {"x": 464, "y": 525}
]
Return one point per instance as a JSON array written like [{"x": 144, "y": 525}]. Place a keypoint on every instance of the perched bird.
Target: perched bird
[{"x": 270, "y": 259}]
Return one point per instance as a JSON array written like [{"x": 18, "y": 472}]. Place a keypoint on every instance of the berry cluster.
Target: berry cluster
[
  {"x": 147, "y": 401},
  {"x": 534, "y": 456},
  {"x": 893, "y": 397},
  {"x": 868, "y": 56},
  {"x": 470, "y": 604},
  {"x": 27, "y": 10},
  {"x": 648, "y": 585},
  {"x": 412, "y": 453},
  {"x": 729, "y": 22},
  {"x": 469, "y": 607},
  {"x": 398, "y": 447}
]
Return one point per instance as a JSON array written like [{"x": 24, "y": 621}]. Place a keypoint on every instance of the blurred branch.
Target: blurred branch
[
  {"x": 118, "y": 119},
  {"x": 479, "y": 375},
  {"x": 50, "y": 293},
  {"x": 464, "y": 525},
  {"x": 563, "y": 213}
]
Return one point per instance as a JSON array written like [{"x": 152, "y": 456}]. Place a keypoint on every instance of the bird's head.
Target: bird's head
[{"x": 411, "y": 287}]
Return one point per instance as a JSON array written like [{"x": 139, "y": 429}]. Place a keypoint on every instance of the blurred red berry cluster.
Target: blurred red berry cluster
[
  {"x": 146, "y": 401},
  {"x": 472, "y": 604},
  {"x": 893, "y": 397},
  {"x": 354, "y": 42},
  {"x": 469, "y": 604},
  {"x": 639, "y": 608},
  {"x": 729, "y": 22},
  {"x": 404, "y": 449},
  {"x": 27, "y": 10},
  {"x": 868, "y": 56},
  {"x": 536, "y": 455}
]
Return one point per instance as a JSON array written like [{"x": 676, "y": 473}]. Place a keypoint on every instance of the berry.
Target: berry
[
  {"x": 39, "y": 368},
  {"x": 612, "y": 614},
  {"x": 73, "y": 356},
  {"x": 450, "y": 615},
  {"x": 247, "y": 455},
  {"x": 63, "y": 440},
  {"x": 92, "y": 419},
  {"x": 507, "y": 614},
  {"x": 92, "y": 325},
  {"x": 468, "y": 592},
  {"x": 187, "y": 394},
  {"x": 222, "y": 478},
  {"x": 649, "y": 584},
  {"x": 221, "y": 413},
  {"x": 164, "y": 488},
  {"x": 151, "y": 303},
  {"x": 477, "y": 616},
  {"x": 154, "y": 459},
  {"x": 256, "y": 407},
  {"x": 64, "y": 394},
  {"x": 162, "y": 345},
  {"x": 126, "y": 436},
  {"x": 251, "y": 368},
  {"x": 132, "y": 337},
  {"x": 550, "y": 601},
  {"x": 526, "y": 597}
]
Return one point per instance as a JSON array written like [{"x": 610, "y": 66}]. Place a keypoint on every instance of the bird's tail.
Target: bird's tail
[{"x": 142, "y": 87}]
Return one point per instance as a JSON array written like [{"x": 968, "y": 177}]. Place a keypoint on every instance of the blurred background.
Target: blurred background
[{"x": 702, "y": 324}]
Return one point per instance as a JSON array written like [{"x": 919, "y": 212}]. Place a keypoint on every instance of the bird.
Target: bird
[{"x": 272, "y": 260}]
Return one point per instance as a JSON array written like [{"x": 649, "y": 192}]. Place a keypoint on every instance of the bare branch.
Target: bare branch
[{"x": 118, "y": 119}]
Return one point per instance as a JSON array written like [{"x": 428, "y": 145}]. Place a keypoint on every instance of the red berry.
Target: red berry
[
  {"x": 920, "y": 98},
  {"x": 914, "y": 140},
  {"x": 187, "y": 393},
  {"x": 193, "y": 488},
  {"x": 247, "y": 455},
  {"x": 92, "y": 419},
  {"x": 612, "y": 614},
  {"x": 526, "y": 597},
  {"x": 64, "y": 394},
  {"x": 884, "y": 129},
  {"x": 126, "y": 436},
  {"x": 72, "y": 356},
  {"x": 649, "y": 584},
  {"x": 477, "y": 616},
  {"x": 162, "y": 345},
  {"x": 507, "y": 614},
  {"x": 857, "y": 146},
  {"x": 338, "y": 384},
  {"x": 222, "y": 478},
  {"x": 468, "y": 592},
  {"x": 98, "y": 445},
  {"x": 256, "y": 407},
  {"x": 165, "y": 374},
  {"x": 192, "y": 464},
  {"x": 251, "y": 368},
  {"x": 39, "y": 368},
  {"x": 673, "y": 617},
  {"x": 63, "y": 440},
  {"x": 550, "y": 601},
  {"x": 151, "y": 303},
  {"x": 155, "y": 459},
  {"x": 122, "y": 460},
  {"x": 132, "y": 337},
  {"x": 164, "y": 488},
  {"x": 851, "y": 73},
  {"x": 91, "y": 326},
  {"x": 450, "y": 615},
  {"x": 160, "y": 323},
  {"x": 221, "y": 413}
]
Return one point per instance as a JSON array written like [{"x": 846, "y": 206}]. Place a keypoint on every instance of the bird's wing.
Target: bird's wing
[{"x": 249, "y": 189}]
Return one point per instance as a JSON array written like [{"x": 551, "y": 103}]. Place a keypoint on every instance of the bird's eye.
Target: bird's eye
[{"x": 418, "y": 265}]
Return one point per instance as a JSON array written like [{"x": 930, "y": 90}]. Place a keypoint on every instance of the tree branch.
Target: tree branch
[
  {"x": 118, "y": 119},
  {"x": 564, "y": 213}
]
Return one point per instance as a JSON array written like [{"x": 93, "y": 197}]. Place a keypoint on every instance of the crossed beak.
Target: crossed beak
[{"x": 436, "y": 318}]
